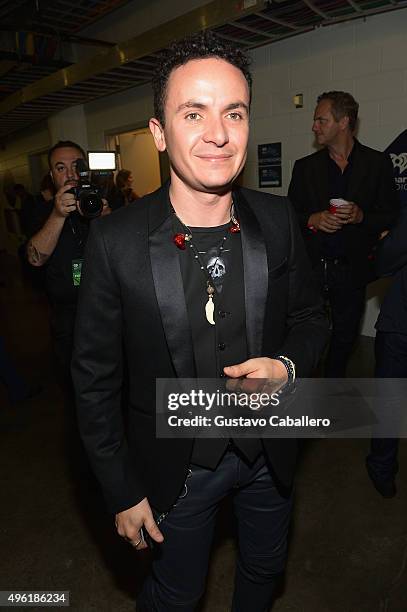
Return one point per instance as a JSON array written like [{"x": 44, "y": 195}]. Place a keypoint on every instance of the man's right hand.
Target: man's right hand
[
  {"x": 325, "y": 222},
  {"x": 64, "y": 202},
  {"x": 130, "y": 521}
]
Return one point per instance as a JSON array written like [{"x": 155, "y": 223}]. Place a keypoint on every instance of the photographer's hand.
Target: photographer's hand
[{"x": 64, "y": 203}]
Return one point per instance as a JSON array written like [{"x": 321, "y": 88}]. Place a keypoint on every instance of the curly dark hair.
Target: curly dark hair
[
  {"x": 199, "y": 46},
  {"x": 343, "y": 105}
]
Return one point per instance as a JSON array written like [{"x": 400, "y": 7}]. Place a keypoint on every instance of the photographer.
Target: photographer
[{"x": 58, "y": 243}]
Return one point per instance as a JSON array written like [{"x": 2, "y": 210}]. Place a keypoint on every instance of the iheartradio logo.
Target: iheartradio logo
[{"x": 399, "y": 161}]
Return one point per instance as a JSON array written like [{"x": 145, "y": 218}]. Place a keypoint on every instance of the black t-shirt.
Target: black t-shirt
[
  {"x": 225, "y": 269},
  {"x": 59, "y": 280},
  {"x": 333, "y": 245}
]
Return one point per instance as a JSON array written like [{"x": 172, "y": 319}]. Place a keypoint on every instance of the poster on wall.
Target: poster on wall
[
  {"x": 269, "y": 164},
  {"x": 398, "y": 155}
]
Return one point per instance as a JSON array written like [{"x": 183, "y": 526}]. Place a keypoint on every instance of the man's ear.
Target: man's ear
[
  {"x": 344, "y": 122},
  {"x": 157, "y": 131}
]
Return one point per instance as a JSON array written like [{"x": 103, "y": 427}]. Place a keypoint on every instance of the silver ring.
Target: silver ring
[{"x": 130, "y": 541}]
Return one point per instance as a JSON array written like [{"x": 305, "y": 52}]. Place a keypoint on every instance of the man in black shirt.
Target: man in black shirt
[
  {"x": 58, "y": 243},
  {"x": 340, "y": 239},
  {"x": 199, "y": 279}
]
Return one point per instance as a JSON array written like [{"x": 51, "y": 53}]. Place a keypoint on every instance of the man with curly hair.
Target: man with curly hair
[{"x": 200, "y": 280}]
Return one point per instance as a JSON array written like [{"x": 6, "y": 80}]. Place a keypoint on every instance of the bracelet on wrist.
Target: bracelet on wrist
[{"x": 289, "y": 366}]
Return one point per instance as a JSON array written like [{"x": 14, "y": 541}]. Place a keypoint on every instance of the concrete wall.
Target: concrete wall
[
  {"x": 118, "y": 113},
  {"x": 365, "y": 57},
  {"x": 69, "y": 124}
]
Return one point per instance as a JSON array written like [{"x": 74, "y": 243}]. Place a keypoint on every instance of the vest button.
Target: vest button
[{"x": 221, "y": 346}]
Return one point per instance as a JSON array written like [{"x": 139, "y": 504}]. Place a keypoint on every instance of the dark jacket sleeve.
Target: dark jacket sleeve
[
  {"x": 296, "y": 195},
  {"x": 97, "y": 371},
  {"x": 306, "y": 325},
  {"x": 384, "y": 211},
  {"x": 392, "y": 251}
]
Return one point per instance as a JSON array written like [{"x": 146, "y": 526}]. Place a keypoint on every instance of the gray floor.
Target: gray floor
[{"x": 348, "y": 549}]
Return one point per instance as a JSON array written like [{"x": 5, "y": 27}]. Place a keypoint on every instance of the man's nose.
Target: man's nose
[
  {"x": 314, "y": 127},
  {"x": 216, "y": 132}
]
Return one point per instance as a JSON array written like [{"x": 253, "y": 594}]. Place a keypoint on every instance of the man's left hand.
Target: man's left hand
[{"x": 349, "y": 213}]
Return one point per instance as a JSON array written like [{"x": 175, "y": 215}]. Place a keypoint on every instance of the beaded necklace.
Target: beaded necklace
[{"x": 182, "y": 239}]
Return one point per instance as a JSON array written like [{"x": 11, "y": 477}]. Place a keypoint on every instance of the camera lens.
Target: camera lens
[{"x": 91, "y": 205}]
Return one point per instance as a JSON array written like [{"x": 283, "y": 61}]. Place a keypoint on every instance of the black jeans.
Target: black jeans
[
  {"x": 391, "y": 362},
  {"x": 346, "y": 303},
  {"x": 181, "y": 562}
]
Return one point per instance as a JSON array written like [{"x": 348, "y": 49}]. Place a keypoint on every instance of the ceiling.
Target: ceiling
[
  {"x": 36, "y": 78},
  {"x": 32, "y": 34}
]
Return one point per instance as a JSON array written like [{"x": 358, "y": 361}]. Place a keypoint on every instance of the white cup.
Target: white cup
[{"x": 336, "y": 203}]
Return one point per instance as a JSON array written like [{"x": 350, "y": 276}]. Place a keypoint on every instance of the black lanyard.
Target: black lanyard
[{"x": 77, "y": 231}]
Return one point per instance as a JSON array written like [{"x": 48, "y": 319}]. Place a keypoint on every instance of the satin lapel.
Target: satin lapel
[
  {"x": 169, "y": 289},
  {"x": 255, "y": 271},
  {"x": 358, "y": 175},
  {"x": 320, "y": 179}
]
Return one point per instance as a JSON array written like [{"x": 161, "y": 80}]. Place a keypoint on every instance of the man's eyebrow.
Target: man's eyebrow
[
  {"x": 200, "y": 105},
  {"x": 65, "y": 163},
  {"x": 190, "y": 104},
  {"x": 234, "y": 105}
]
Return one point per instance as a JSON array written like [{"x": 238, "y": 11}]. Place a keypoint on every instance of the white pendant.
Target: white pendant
[{"x": 209, "y": 310}]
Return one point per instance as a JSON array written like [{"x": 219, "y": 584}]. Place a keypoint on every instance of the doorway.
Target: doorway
[{"x": 136, "y": 152}]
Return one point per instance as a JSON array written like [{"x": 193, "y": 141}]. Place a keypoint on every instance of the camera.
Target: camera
[{"x": 94, "y": 178}]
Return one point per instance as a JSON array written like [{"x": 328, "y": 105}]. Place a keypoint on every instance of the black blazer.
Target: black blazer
[
  {"x": 371, "y": 187},
  {"x": 132, "y": 296},
  {"x": 392, "y": 260}
]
